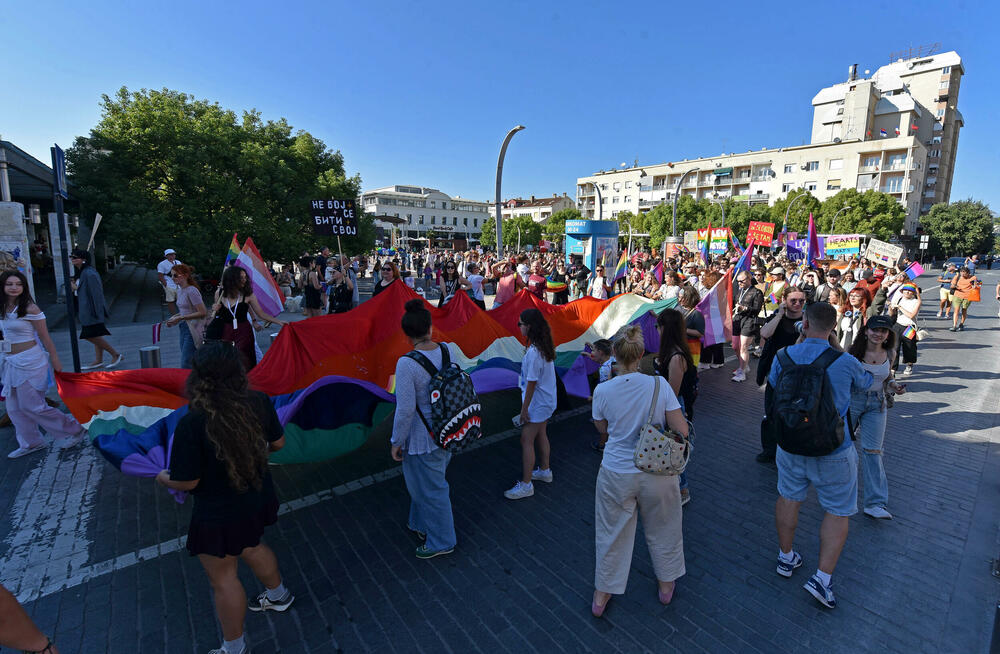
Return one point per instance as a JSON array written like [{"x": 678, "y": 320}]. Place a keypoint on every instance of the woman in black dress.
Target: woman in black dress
[
  {"x": 451, "y": 283},
  {"x": 219, "y": 455},
  {"x": 313, "y": 303},
  {"x": 340, "y": 291}
]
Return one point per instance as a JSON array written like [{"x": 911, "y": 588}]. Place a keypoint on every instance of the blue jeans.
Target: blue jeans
[
  {"x": 867, "y": 412},
  {"x": 430, "y": 503},
  {"x": 187, "y": 345}
]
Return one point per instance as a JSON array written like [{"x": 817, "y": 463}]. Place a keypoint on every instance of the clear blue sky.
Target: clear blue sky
[{"x": 423, "y": 93}]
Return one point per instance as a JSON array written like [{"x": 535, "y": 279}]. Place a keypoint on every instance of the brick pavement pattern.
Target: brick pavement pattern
[{"x": 98, "y": 555}]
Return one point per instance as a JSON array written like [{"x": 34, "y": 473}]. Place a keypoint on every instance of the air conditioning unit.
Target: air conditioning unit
[{"x": 804, "y": 167}]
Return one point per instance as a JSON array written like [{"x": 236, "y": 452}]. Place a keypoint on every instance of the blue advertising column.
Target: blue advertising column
[{"x": 590, "y": 239}]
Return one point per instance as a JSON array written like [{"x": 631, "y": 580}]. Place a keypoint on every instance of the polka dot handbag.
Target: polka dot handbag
[{"x": 660, "y": 452}]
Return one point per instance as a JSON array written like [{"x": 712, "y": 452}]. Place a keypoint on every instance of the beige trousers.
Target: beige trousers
[{"x": 658, "y": 499}]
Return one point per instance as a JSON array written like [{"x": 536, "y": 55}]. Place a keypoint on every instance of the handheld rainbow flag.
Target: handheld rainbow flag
[
  {"x": 270, "y": 297},
  {"x": 622, "y": 267},
  {"x": 735, "y": 241},
  {"x": 744, "y": 261},
  {"x": 707, "y": 248},
  {"x": 812, "y": 249},
  {"x": 910, "y": 332},
  {"x": 553, "y": 286},
  {"x": 233, "y": 254}
]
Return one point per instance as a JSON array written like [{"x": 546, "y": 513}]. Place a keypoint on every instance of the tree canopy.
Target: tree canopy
[
  {"x": 960, "y": 228},
  {"x": 168, "y": 170}
]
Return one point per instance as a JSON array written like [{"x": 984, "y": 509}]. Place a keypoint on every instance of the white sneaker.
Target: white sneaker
[
  {"x": 92, "y": 366},
  {"x": 520, "y": 491},
  {"x": 739, "y": 376},
  {"x": 878, "y": 512},
  {"x": 542, "y": 475},
  {"x": 907, "y": 371},
  {"x": 23, "y": 451},
  {"x": 114, "y": 364},
  {"x": 703, "y": 366},
  {"x": 716, "y": 365}
]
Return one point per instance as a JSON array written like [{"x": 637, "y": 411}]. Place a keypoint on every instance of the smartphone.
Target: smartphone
[{"x": 516, "y": 420}]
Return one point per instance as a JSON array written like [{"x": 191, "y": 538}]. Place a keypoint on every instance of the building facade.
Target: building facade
[
  {"x": 538, "y": 209},
  {"x": 895, "y": 132},
  {"x": 410, "y": 212}
]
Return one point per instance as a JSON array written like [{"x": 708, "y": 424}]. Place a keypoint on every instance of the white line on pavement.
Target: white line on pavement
[{"x": 37, "y": 577}]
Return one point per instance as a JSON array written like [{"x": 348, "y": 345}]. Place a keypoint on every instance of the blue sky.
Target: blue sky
[{"x": 423, "y": 93}]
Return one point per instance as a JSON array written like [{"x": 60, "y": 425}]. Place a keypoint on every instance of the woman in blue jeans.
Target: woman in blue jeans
[
  {"x": 424, "y": 463},
  {"x": 190, "y": 311},
  {"x": 874, "y": 347}
]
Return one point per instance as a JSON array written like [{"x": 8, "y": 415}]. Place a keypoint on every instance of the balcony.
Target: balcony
[
  {"x": 868, "y": 169},
  {"x": 760, "y": 178},
  {"x": 649, "y": 203},
  {"x": 645, "y": 188},
  {"x": 741, "y": 179},
  {"x": 759, "y": 197},
  {"x": 659, "y": 187},
  {"x": 866, "y": 187},
  {"x": 724, "y": 180},
  {"x": 897, "y": 189}
]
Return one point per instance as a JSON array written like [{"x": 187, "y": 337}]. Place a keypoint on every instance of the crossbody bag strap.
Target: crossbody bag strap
[{"x": 652, "y": 404}]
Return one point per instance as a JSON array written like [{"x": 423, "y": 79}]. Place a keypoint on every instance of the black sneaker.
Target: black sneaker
[
  {"x": 822, "y": 593},
  {"x": 786, "y": 568},
  {"x": 262, "y": 603}
]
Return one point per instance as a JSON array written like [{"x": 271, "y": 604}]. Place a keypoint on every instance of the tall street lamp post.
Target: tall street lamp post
[
  {"x": 788, "y": 209},
  {"x": 833, "y": 225},
  {"x": 673, "y": 232},
  {"x": 721, "y": 208},
  {"x": 600, "y": 204},
  {"x": 503, "y": 152}
]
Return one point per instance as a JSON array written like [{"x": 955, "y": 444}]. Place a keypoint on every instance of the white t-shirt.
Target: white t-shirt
[
  {"x": 535, "y": 368},
  {"x": 477, "y": 285},
  {"x": 604, "y": 372},
  {"x": 624, "y": 402},
  {"x": 909, "y": 305},
  {"x": 597, "y": 289},
  {"x": 668, "y": 292},
  {"x": 164, "y": 268}
]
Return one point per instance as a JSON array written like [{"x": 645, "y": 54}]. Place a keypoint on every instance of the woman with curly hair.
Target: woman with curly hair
[
  {"x": 232, "y": 319},
  {"x": 219, "y": 455},
  {"x": 190, "y": 310},
  {"x": 538, "y": 402}
]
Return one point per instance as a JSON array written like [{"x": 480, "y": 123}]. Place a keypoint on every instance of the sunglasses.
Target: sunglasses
[
  {"x": 387, "y": 270},
  {"x": 790, "y": 301},
  {"x": 449, "y": 267}
]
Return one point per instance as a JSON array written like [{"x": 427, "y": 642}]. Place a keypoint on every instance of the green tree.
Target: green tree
[
  {"x": 166, "y": 169},
  {"x": 960, "y": 228},
  {"x": 523, "y": 229},
  {"x": 798, "y": 219},
  {"x": 554, "y": 229},
  {"x": 488, "y": 237},
  {"x": 691, "y": 214},
  {"x": 873, "y": 213}
]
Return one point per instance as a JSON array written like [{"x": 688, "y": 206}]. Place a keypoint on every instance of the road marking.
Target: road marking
[{"x": 57, "y": 562}]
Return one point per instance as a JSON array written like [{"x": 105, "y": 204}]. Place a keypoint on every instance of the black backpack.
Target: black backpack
[
  {"x": 455, "y": 409},
  {"x": 802, "y": 411}
]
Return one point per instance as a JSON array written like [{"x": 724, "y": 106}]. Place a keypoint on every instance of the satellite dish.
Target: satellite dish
[
  {"x": 623, "y": 164},
  {"x": 867, "y": 72}
]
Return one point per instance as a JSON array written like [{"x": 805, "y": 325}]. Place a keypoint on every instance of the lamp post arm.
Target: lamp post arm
[{"x": 499, "y": 218}]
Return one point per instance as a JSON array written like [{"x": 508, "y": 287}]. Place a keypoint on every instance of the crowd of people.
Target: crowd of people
[{"x": 830, "y": 342}]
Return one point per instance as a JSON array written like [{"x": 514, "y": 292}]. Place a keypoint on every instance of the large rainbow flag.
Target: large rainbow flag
[{"x": 330, "y": 377}]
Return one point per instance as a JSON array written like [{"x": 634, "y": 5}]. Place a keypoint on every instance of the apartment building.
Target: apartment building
[
  {"x": 895, "y": 131},
  {"x": 538, "y": 209},
  {"x": 411, "y": 211}
]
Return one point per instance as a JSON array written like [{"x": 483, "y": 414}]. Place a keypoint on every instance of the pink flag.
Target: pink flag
[
  {"x": 156, "y": 332},
  {"x": 717, "y": 307},
  {"x": 265, "y": 288},
  {"x": 914, "y": 270}
]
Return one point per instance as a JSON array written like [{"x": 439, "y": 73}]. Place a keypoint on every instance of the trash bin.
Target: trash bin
[{"x": 149, "y": 356}]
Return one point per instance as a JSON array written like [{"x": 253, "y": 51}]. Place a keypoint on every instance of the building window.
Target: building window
[
  {"x": 420, "y": 221},
  {"x": 785, "y": 188},
  {"x": 628, "y": 198},
  {"x": 614, "y": 214},
  {"x": 454, "y": 221},
  {"x": 465, "y": 222},
  {"x": 789, "y": 168},
  {"x": 409, "y": 218},
  {"x": 836, "y": 164},
  {"x": 833, "y": 185},
  {"x": 810, "y": 186},
  {"x": 936, "y": 140},
  {"x": 628, "y": 184},
  {"x": 812, "y": 165},
  {"x": 897, "y": 161},
  {"x": 940, "y": 113},
  {"x": 870, "y": 162},
  {"x": 475, "y": 222},
  {"x": 444, "y": 205},
  {"x": 933, "y": 153},
  {"x": 604, "y": 199},
  {"x": 946, "y": 70},
  {"x": 434, "y": 220},
  {"x": 894, "y": 185},
  {"x": 944, "y": 84},
  {"x": 618, "y": 186},
  {"x": 615, "y": 199}
]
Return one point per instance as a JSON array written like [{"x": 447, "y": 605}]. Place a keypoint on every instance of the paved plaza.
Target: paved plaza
[{"x": 96, "y": 555}]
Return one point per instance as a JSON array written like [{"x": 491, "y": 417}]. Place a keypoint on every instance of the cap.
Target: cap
[
  {"x": 952, "y": 264},
  {"x": 778, "y": 271},
  {"x": 833, "y": 273},
  {"x": 80, "y": 254},
  {"x": 168, "y": 251},
  {"x": 879, "y": 322}
]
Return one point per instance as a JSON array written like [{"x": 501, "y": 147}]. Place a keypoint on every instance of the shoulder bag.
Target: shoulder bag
[{"x": 660, "y": 452}]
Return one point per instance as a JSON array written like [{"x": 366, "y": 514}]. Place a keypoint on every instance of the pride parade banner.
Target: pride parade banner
[
  {"x": 843, "y": 245},
  {"x": 760, "y": 234}
]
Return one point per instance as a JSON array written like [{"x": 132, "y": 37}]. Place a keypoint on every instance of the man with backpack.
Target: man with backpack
[{"x": 812, "y": 385}]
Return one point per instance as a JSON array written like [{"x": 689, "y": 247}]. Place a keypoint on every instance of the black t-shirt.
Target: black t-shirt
[
  {"x": 784, "y": 335},
  {"x": 193, "y": 457}
]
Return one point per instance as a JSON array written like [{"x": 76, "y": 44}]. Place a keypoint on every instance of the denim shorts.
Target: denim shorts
[{"x": 834, "y": 476}]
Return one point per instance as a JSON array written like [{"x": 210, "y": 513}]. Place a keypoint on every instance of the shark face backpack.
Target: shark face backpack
[{"x": 455, "y": 409}]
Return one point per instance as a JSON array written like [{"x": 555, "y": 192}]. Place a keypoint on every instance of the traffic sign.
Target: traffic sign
[
  {"x": 923, "y": 245},
  {"x": 924, "y": 238},
  {"x": 59, "y": 172}
]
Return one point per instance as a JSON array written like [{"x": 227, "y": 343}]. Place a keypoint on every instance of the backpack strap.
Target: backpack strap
[
  {"x": 826, "y": 359},
  {"x": 783, "y": 358},
  {"x": 424, "y": 362},
  {"x": 445, "y": 356},
  {"x": 652, "y": 404}
]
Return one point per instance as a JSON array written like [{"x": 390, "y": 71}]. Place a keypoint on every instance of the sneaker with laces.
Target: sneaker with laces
[
  {"x": 786, "y": 568},
  {"x": 424, "y": 553},
  {"x": 703, "y": 366},
  {"x": 24, "y": 451},
  {"x": 520, "y": 491},
  {"x": 821, "y": 592},
  {"x": 262, "y": 603},
  {"x": 907, "y": 371},
  {"x": 542, "y": 475},
  {"x": 739, "y": 376},
  {"x": 878, "y": 512}
]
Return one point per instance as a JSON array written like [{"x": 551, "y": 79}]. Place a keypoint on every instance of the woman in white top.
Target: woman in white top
[
  {"x": 874, "y": 348},
  {"x": 621, "y": 406},
  {"x": 906, "y": 304},
  {"x": 24, "y": 371},
  {"x": 538, "y": 402},
  {"x": 671, "y": 288},
  {"x": 476, "y": 281},
  {"x": 599, "y": 287}
]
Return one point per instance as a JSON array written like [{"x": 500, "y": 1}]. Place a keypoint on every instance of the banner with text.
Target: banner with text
[
  {"x": 720, "y": 239},
  {"x": 334, "y": 217},
  {"x": 883, "y": 253},
  {"x": 760, "y": 233},
  {"x": 843, "y": 245}
]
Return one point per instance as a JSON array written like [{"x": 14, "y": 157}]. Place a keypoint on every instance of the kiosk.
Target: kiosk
[{"x": 591, "y": 238}]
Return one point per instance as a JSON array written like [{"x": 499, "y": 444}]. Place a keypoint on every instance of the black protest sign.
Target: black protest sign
[{"x": 334, "y": 217}]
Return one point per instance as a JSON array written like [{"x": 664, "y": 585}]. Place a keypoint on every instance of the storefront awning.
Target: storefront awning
[{"x": 719, "y": 172}]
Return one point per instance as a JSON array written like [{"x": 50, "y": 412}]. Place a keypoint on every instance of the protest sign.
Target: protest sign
[
  {"x": 334, "y": 217},
  {"x": 720, "y": 239},
  {"x": 883, "y": 253},
  {"x": 843, "y": 244},
  {"x": 691, "y": 241},
  {"x": 760, "y": 233}
]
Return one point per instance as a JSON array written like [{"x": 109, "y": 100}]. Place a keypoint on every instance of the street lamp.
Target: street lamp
[
  {"x": 721, "y": 208},
  {"x": 518, "y": 235},
  {"x": 789, "y": 207},
  {"x": 600, "y": 205},
  {"x": 503, "y": 152},
  {"x": 677, "y": 189},
  {"x": 833, "y": 225}
]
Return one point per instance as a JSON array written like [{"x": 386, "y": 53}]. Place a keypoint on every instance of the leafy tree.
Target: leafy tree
[
  {"x": 554, "y": 229},
  {"x": 960, "y": 228},
  {"x": 798, "y": 219},
  {"x": 872, "y": 212},
  {"x": 531, "y": 232},
  {"x": 488, "y": 237},
  {"x": 168, "y": 170}
]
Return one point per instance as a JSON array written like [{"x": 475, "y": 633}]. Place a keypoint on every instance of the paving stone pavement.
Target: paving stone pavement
[{"x": 110, "y": 574}]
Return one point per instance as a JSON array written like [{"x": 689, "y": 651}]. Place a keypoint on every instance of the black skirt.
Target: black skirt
[
  {"x": 231, "y": 538},
  {"x": 93, "y": 331}
]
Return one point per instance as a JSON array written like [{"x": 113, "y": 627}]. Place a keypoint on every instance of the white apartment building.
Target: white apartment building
[
  {"x": 538, "y": 209},
  {"x": 411, "y": 211},
  {"x": 896, "y": 132}
]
